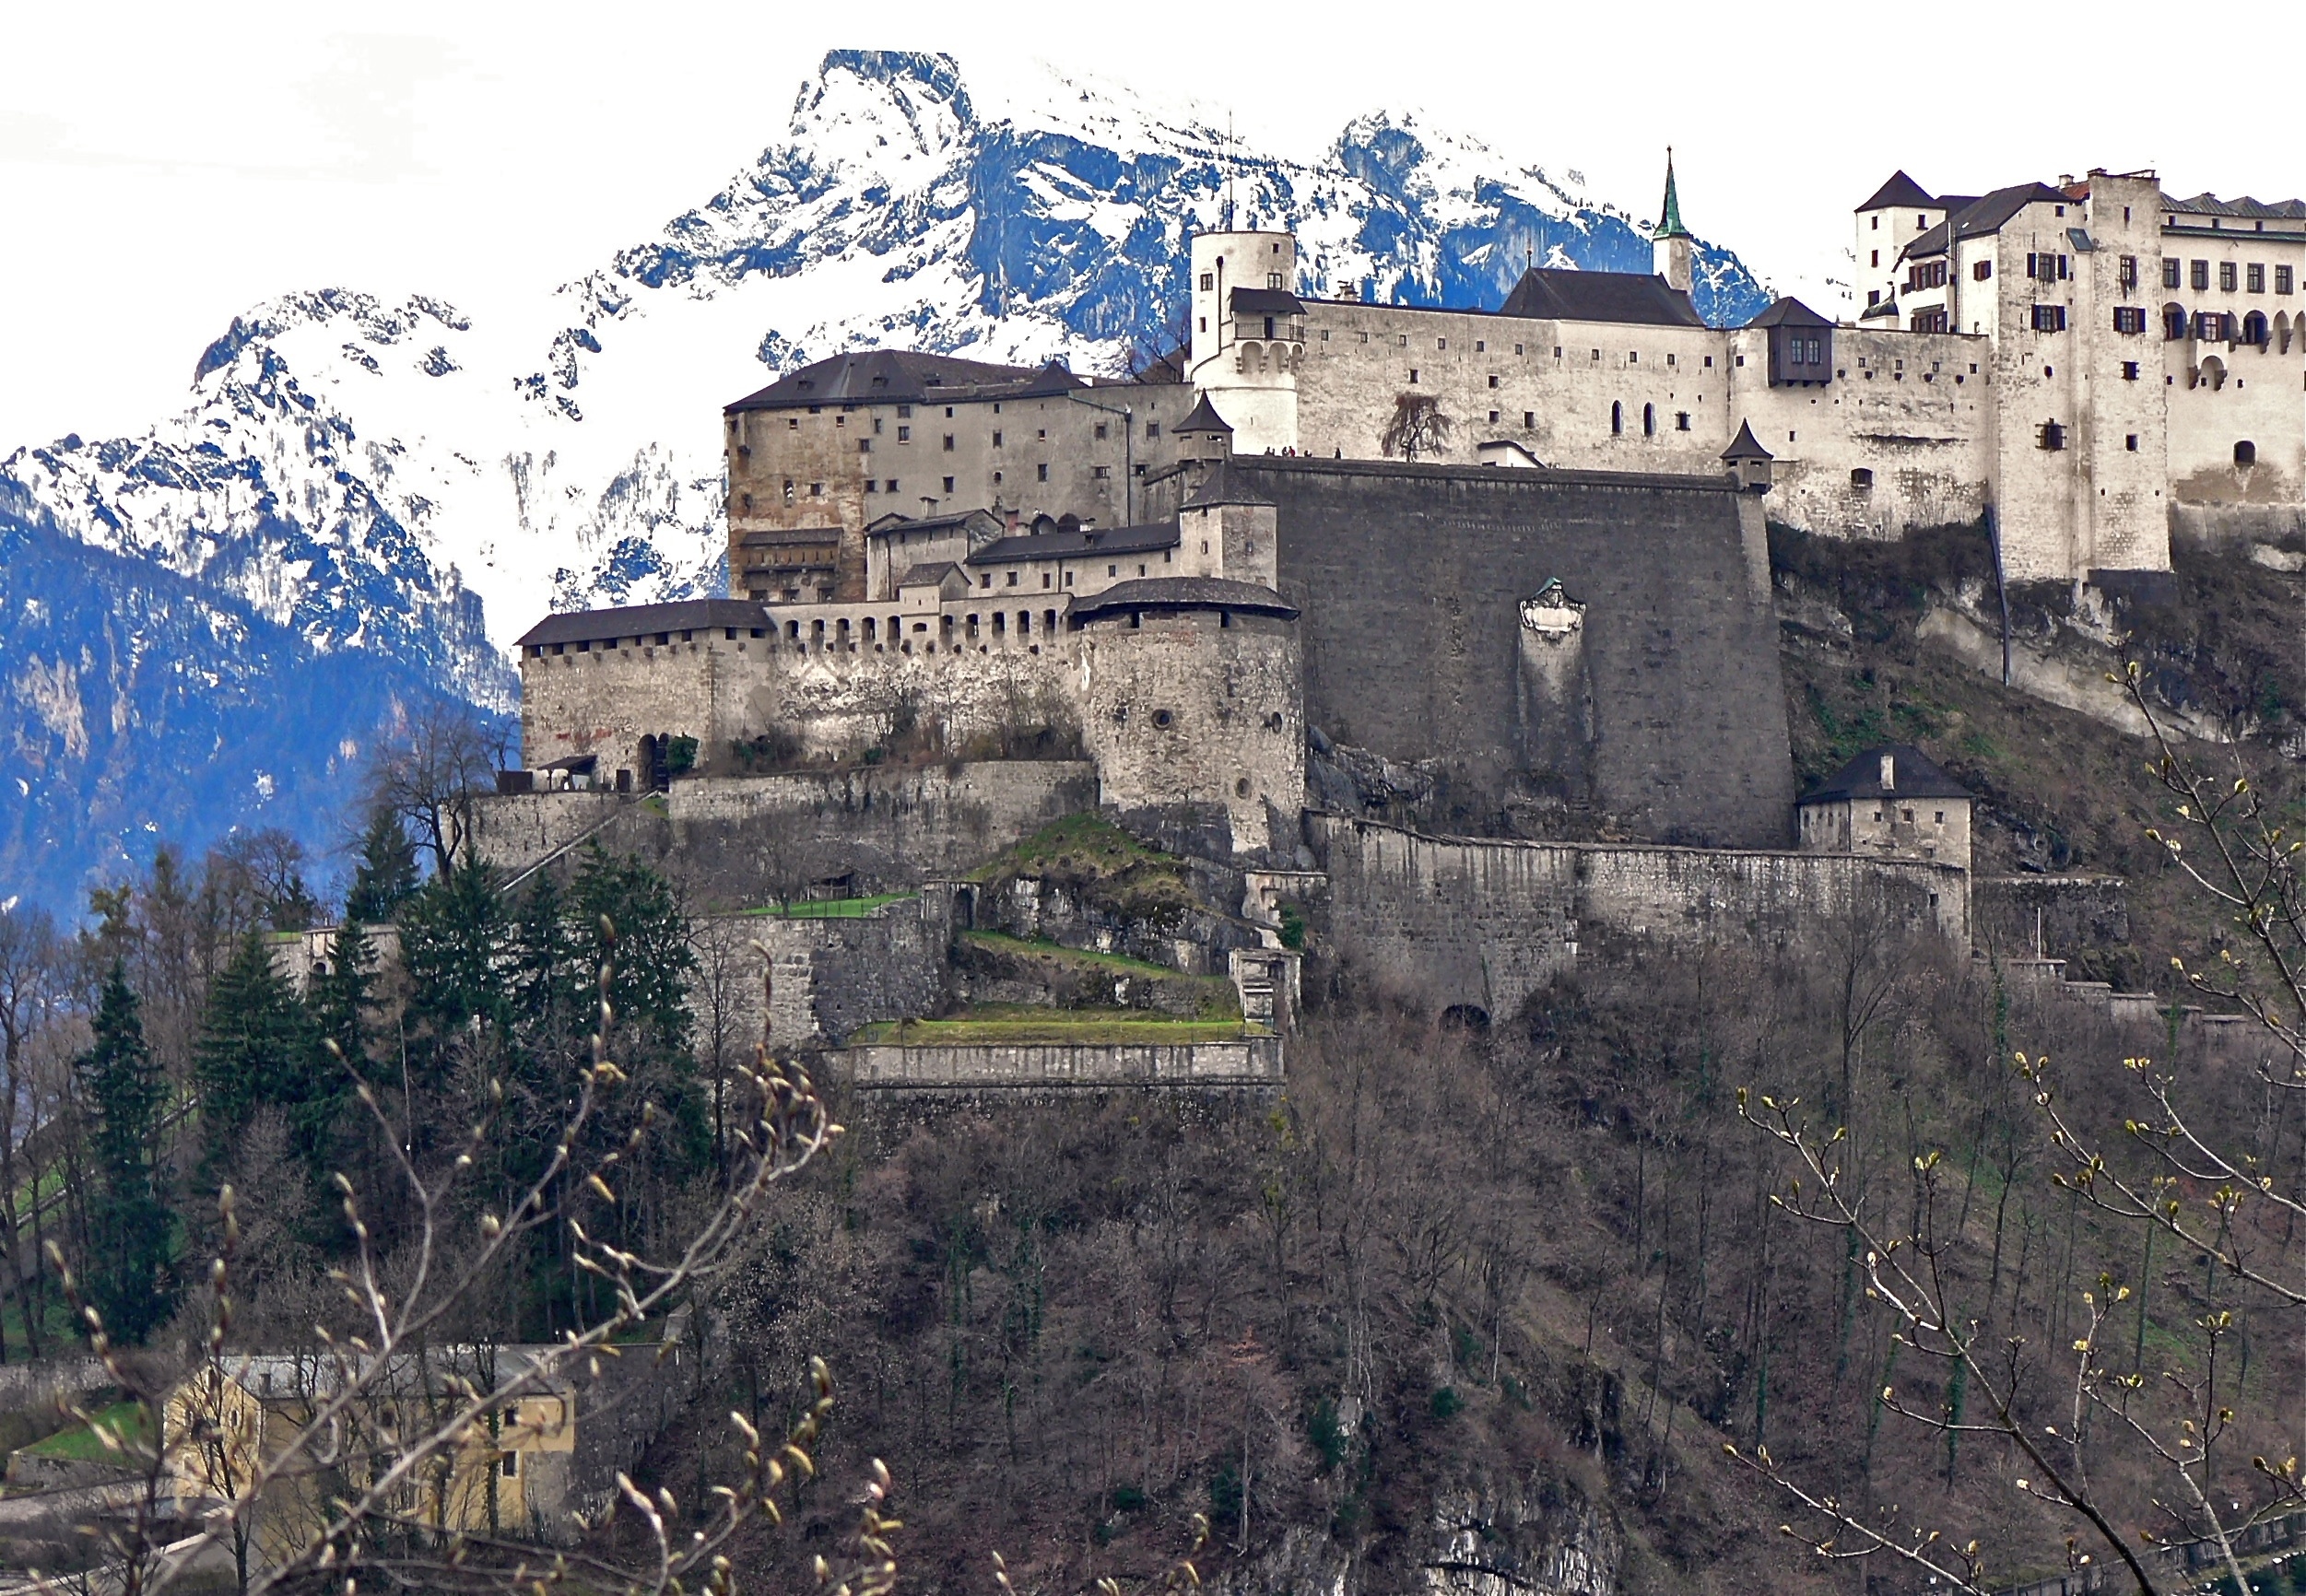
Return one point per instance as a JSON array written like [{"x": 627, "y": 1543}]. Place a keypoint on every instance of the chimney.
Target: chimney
[
  {"x": 1890, "y": 773},
  {"x": 1012, "y": 521}
]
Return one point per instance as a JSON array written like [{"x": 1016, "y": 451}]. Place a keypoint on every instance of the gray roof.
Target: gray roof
[
  {"x": 905, "y": 376},
  {"x": 1224, "y": 486},
  {"x": 928, "y": 573},
  {"x": 1982, "y": 215},
  {"x": 1900, "y": 193},
  {"x": 1185, "y": 593},
  {"x": 2209, "y": 204},
  {"x": 896, "y": 523},
  {"x": 1546, "y": 293},
  {"x": 1745, "y": 446},
  {"x": 1789, "y": 312},
  {"x": 1915, "y": 775},
  {"x": 1075, "y": 542},
  {"x": 1265, "y": 303},
  {"x": 1202, "y": 417},
  {"x": 639, "y": 620}
]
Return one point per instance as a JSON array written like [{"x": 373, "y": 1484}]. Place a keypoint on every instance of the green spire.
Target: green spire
[{"x": 1669, "y": 225}]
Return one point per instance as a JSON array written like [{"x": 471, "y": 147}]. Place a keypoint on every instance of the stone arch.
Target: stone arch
[
  {"x": 1649, "y": 420},
  {"x": 2174, "y": 322},
  {"x": 2213, "y": 372},
  {"x": 1616, "y": 418},
  {"x": 2255, "y": 329},
  {"x": 2246, "y": 452},
  {"x": 2282, "y": 331}
]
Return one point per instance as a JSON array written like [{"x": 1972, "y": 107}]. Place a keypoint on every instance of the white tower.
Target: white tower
[{"x": 1248, "y": 334}]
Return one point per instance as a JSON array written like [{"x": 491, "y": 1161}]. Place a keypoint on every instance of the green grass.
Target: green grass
[
  {"x": 1119, "y": 963},
  {"x": 1014, "y": 1023},
  {"x": 126, "y": 1421},
  {"x": 829, "y": 908},
  {"x": 1086, "y": 845}
]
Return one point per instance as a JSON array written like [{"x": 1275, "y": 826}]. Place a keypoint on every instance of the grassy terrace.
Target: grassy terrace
[
  {"x": 828, "y": 908},
  {"x": 80, "y": 1444},
  {"x": 1014, "y": 1023}
]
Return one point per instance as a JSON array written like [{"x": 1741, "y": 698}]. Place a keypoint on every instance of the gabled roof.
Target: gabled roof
[
  {"x": 1075, "y": 542},
  {"x": 905, "y": 376},
  {"x": 2209, "y": 204},
  {"x": 639, "y": 620},
  {"x": 929, "y": 573},
  {"x": 1185, "y": 593},
  {"x": 1745, "y": 446},
  {"x": 1900, "y": 193},
  {"x": 1553, "y": 294},
  {"x": 1912, "y": 773},
  {"x": 1224, "y": 486},
  {"x": 894, "y": 521},
  {"x": 1789, "y": 312},
  {"x": 1981, "y": 217},
  {"x": 790, "y": 538},
  {"x": 1202, "y": 417},
  {"x": 1265, "y": 303},
  {"x": 1881, "y": 308}
]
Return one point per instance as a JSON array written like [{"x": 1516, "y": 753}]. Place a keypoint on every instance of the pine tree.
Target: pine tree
[
  {"x": 344, "y": 993},
  {"x": 255, "y": 1047},
  {"x": 456, "y": 948},
  {"x": 386, "y": 876},
  {"x": 129, "y": 1222}
]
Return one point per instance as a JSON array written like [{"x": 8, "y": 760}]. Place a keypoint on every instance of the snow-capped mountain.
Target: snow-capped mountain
[{"x": 367, "y": 497}]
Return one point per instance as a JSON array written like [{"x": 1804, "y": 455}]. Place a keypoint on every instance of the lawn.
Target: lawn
[
  {"x": 126, "y": 1421},
  {"x": 829, "y": 908}
]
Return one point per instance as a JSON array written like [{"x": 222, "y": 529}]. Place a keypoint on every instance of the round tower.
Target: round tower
[
  {"x": 1248, "y": 333},
  {"x": 1193, "y": 693}
]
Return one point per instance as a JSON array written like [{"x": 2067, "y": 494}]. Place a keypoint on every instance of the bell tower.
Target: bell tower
[{"x": 1671, "y": 245}]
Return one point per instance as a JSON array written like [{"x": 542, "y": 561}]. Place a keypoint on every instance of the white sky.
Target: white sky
[{"x": 163, "y": 167}]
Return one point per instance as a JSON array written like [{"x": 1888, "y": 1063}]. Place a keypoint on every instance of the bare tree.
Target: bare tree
[
  {"x": 1417, "y": 426},
  {"x": 32, "y": 987},
  {"x": 430, "y": 773}
]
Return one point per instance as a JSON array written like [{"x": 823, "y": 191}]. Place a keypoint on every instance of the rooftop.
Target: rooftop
[
  {"x": 1984, "y": 216},
  {"x": 1072, "y": 543},
  {"x": 1185, "y": 593},
  {"x": 1913, "y": 775},
  {"x": 638, "y": 620},
  {"x": 905, "y": 376},
  {"x": 1900, "y": 193},
  {"x": 1547, "y": 293}
]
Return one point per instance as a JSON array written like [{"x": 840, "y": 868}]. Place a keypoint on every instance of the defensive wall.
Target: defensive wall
[
  {"x": 1411, "y": 580},
  {"x": 1245, "y": 1064},
  {"x": 1463, "y": 921},
  {"x": 832, "y": 974},
  {"x": 745, "y": 840}
]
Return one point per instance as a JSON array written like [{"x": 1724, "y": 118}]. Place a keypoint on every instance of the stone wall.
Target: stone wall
[
  {"x": 1411, "y": 580},
  {"x": 1483, "y": 924},
  {"x": 1246, "y": 1063},
  {"x": 831, "y": 975},
  {"x": 740, "y": 842},
  {"x": 2075, "y": 914}
]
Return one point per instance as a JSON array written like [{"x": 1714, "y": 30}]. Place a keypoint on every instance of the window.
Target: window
[
  {"x": 1481, "y": 345},
  {"x": 948, "y": 413},
  {"x": 2245, "y": 453},
  {"x": 2201, "y": 275},
  {"x": 1208, "y": 282},
  {"x": 997, "y": 440},
  {"x": 2172, "y": 272},
  {"x": 817, "y": 490},
  {"x": 1041, "y": 473},
  {"x": 1681, "y": 420},
  {"x": 792, "y": 424},
  {"x": 1493, "y": 418},
  {"x": 2283, "y": 280},
  {"x": 2254, "y": 277},
  {"x": 2129, "y": 370},
  {"x": 1862, "y": 479},
  {"x": 2228, "y": 278},
  {"x": 2052, "y": 436},
  {"x": 1273, "y": 279},
  {"x": 2209, "y": 326},
  {"x": 1493, "y": 381},
  {"x": 1012, "y": 579},
  {"x": 2127, "y": 273},
  {"x": 788, "y": 490},
  {"x": 1649, "y": 421},
  {"x": 2048, "y": 268},
  {"x": 1941, "y": 817},
  {"x": 1099, "y": 431},
  {"x": 1112, "y": 570},
  {"x": 892, "y": 484},
  {"x": 2049, "y": 318},
  {"x": 1616, "y": 418},
  {"x": 1042, "y": 435},
  {"x": 2130, "y": 442},
  {"x": 1104, "y": 472},
  {"x": 904, "y": 435},
  {"x": 948, "y": 443},
  {"x": 2129, "y": 319},
  {"x": 948, "y": 484},
  {"x": 1877, "y": 258},
  {"x": 1413, "y": 375},
  {"x": 1529, "y": 418},
  {"x": 2174, "y": 322},
  {"x": 1633, "y": 357},
  {"x": 865, "y": 446},
  {"x": 511, "y": 1465},
  {"x": 1152, "y": 430}
]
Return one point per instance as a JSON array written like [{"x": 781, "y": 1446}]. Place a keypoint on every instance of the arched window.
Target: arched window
[
  {"x": 1616, "y": 418},
  {"x": 1649, "y": 420},
  {"x": 2246, "y": 452},
  {"x": 2174, "y": 322},
  {"x": 2255, "y": 329}
]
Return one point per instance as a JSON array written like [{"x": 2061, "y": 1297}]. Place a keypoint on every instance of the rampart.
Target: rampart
[
  {"x": 1411, "y": 579},
  {"x": 1465, "y": 922},
  {"x": 832, "y": 974},
  {"x": 1248, "y": 1063}
]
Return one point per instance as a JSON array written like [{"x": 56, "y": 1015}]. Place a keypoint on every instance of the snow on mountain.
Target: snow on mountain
[{"x": 355, "y": 474}]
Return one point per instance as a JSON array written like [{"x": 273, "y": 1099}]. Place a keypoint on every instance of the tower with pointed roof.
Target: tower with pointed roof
[{"x": 1672, "y": 247}]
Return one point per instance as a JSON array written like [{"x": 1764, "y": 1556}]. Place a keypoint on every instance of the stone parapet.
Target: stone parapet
[{"x": 1246, "y": 1063}]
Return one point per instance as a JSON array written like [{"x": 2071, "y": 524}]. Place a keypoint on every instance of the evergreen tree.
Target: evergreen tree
[
  {"x": 256, "y": 1047},
  {"x": 344, "y": 993},
  {"x": 651, "y": 963},
  {"x": 129, "y": 1222},
  {"x": 457, "y": 949},
  {"x": 386, "y": 876}
]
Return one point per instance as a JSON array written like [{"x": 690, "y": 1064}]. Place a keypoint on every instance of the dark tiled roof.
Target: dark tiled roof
[
  {"x": 639, "y": 620},
  {"x": 896, "y": 523},
  {"x": 928, "y": 573},
  {"x": 1981, "y": 217},
  {"x": 1185, "y": 593},
  {"x": 1900, "y": 193},
  {"x": 1745, "y": 446},
  {"x": 1911, "y": 770},
  {"x": 1545, "y": 293},
  {"x": 1202, "y": 417},
  {"x": 1225, "y": 485},
  {"x": 1077, "y": 544},
  {"x": 2209, "y": 204},
  {"x": 1265, "y": 303},
  {"x": 1789, "y": 312},
  {"x": 903, "y": 376},
  {"x": 1884, "y": 307},
  {"x": 797, "y": 537}
]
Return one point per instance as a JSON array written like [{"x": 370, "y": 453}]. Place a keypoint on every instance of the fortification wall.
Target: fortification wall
[
  {"x": 1245, "y": 1064},
  {"x": 1411, "y": 581},
  {"x": 2072, "y": 914},
  {"x": 830, "y": 976},
  {"x": 1460, "y": 922},
  {"x": 738, "y": 841}
]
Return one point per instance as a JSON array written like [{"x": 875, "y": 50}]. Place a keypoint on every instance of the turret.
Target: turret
[
  {"x": 1671, "y": 246},
  {"x": 1248, "y": 333}
]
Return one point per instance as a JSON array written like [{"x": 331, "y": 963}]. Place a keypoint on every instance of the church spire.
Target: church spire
[{"x": 1669, "y": 225}]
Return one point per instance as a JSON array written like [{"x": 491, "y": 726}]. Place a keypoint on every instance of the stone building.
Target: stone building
[
  {"x": 825, "y": 451},
  {"x": 1892, "y": 802}
]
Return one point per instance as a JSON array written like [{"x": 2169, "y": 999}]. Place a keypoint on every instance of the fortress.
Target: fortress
[{"x": 1500, "y": 573}]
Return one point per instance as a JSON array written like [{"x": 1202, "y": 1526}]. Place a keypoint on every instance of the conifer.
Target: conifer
[
  {"x": 386, "y": 876},
  {"x": 129, "y": 1222},
  {"x": 255, "y": 1047}
]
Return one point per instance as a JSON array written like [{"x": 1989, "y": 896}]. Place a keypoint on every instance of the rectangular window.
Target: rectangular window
[
  {"x": 2255, "y": 277},
  {"x": 2202, "y": 276},
  {"x": 2129, "y": 319},
  {"x": 876, "y": 426},
  {"x": 1208, "y": 282},
  {"x": 1441, "y": 343},
  {"x": 2283, "y": 280},
  {"x": 948, "y": 443},
  {"x": 892, "y": 484},
  {"x": 2052, "y": 436},
  {"x": 948, "y": 484},
  {"x": 871, "y": 486},
  {"x": 1481, "y": 345},
  {"x": 904, "y": 435},
  {"x": 2129, "y": 370},
  {"x": 2049, "y": 318},
  {"x": 2131, "y": 442},
  {"x": 1104, "y": 472},
  {"x": 1413, "y": 376},
  {"x": 2127, "y": 275},
  {"x": 1152, "y": 430},
  {"x": 1099, "y": 431},
  {"x": 1043, "y": 473},
  {"x": 865, "y": 446},
  {"x": 2170, "y": 273},
  {"x": 1493, "y": 381},
  {"x": 2210, "y": 326},
  {"x": 1529, "y": 418},
  {"x": 1012, "y": 579},
  {"x": 997, "y": 440},
  {"x": 2228, "y": 276}
]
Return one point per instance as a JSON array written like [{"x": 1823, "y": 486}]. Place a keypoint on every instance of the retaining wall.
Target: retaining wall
[{"x": 1246, "y": 1063}]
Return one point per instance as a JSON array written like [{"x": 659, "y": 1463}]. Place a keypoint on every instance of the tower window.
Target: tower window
[
  {"x": 1208, "y": 282},
  {"x": 1617, "y": 417},
  {"x": 2245, "y": 453}
]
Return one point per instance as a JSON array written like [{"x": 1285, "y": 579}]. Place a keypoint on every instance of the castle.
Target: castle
[{"x": 1519, "y": 551}]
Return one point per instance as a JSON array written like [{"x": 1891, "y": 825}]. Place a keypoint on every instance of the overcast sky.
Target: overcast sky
[{"x": 164, "y": 167}]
